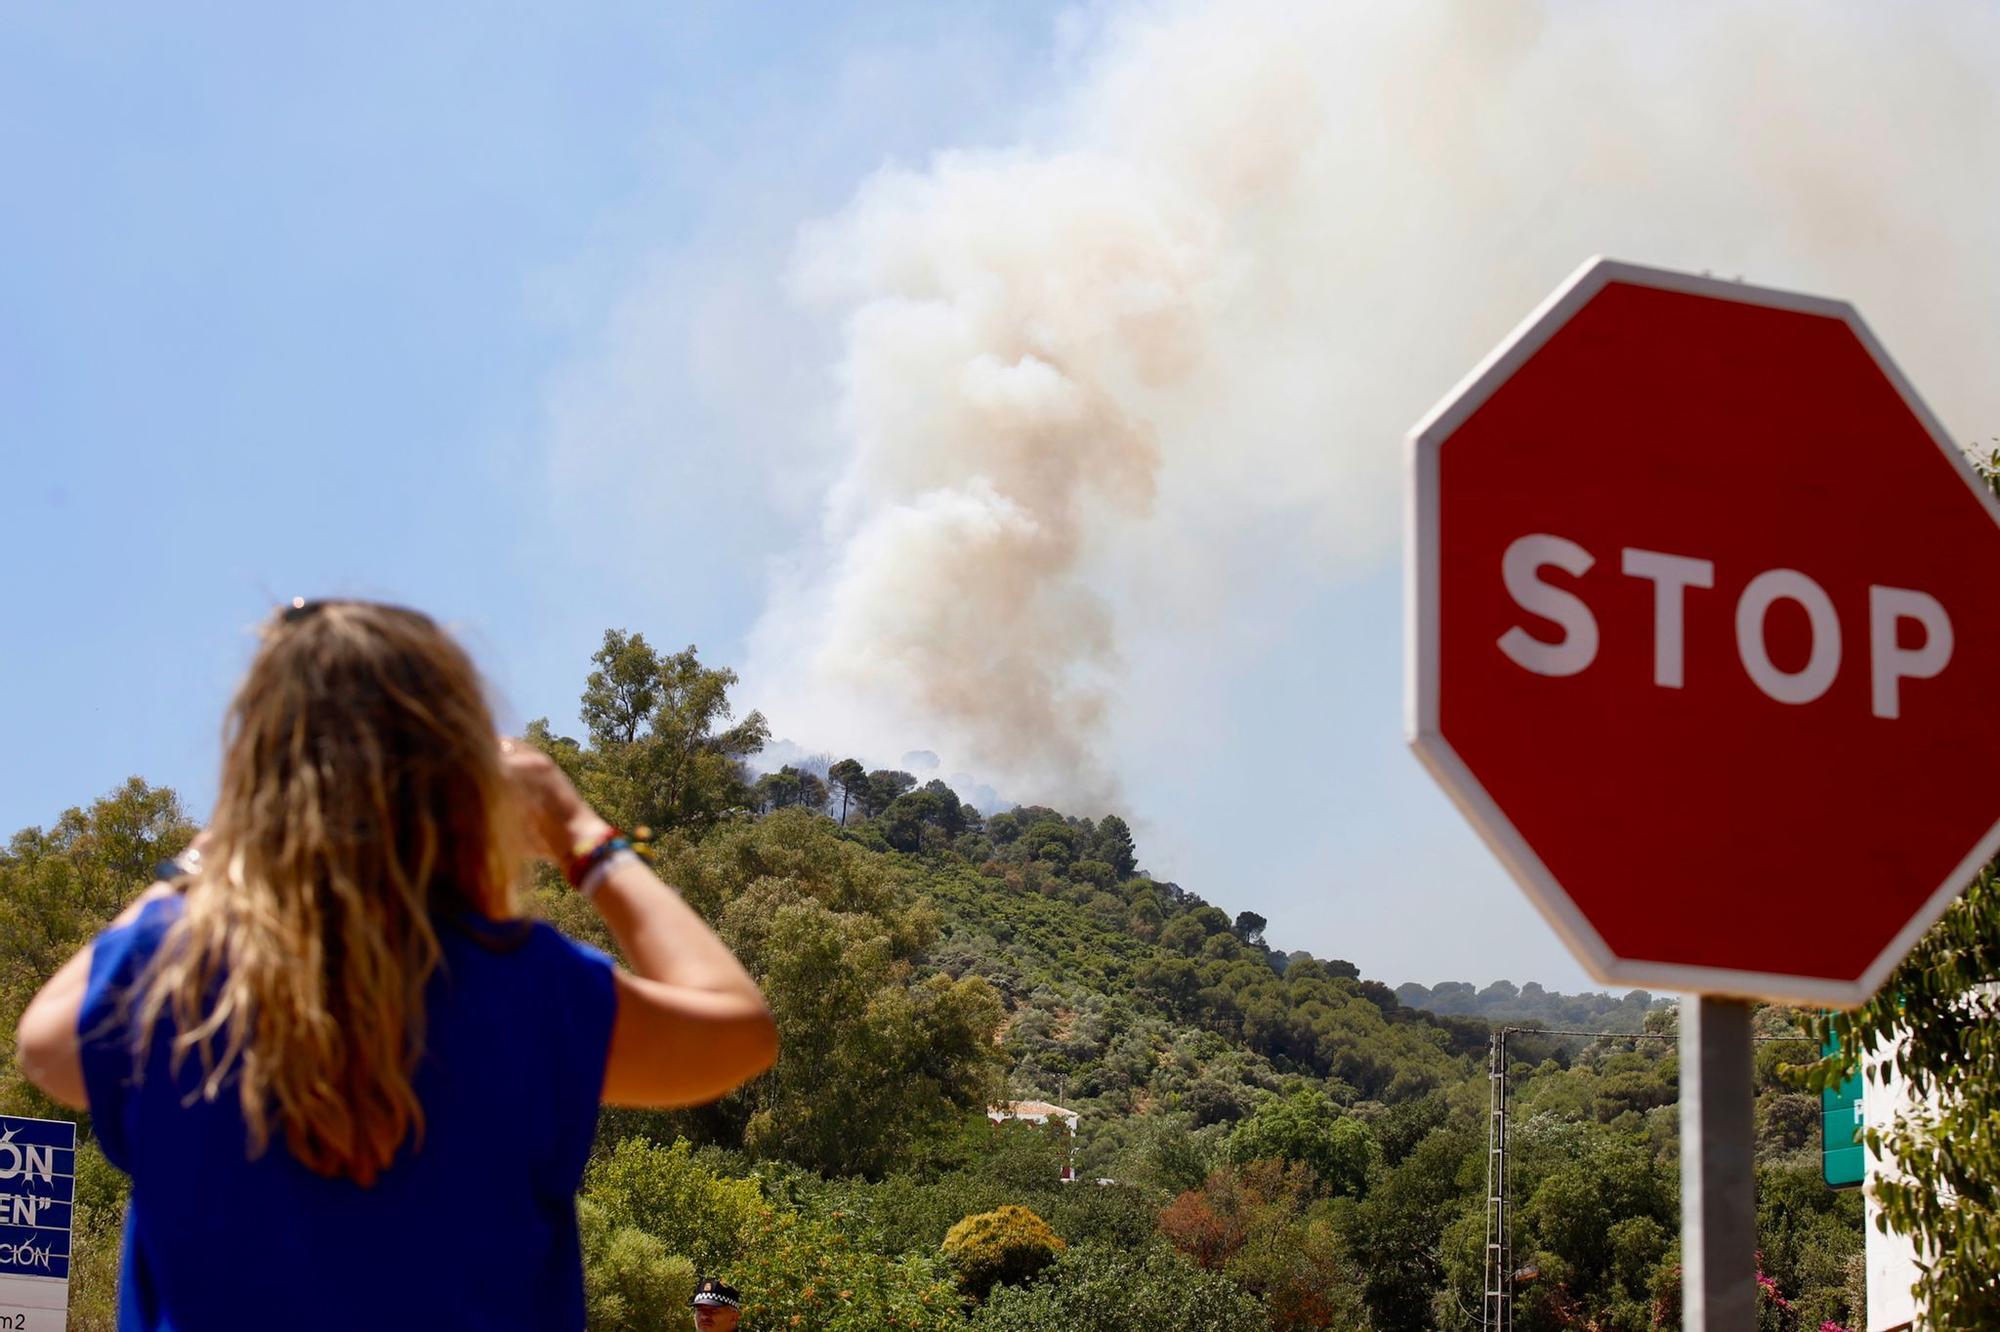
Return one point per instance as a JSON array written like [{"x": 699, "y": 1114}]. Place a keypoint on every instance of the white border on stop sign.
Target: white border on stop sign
[{"x": 1421, "y": 627}]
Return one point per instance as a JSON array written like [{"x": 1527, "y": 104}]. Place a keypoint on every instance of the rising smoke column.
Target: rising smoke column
[
  {"x": 1105, "y": 396},
  {"x": 1009, "y": 319}
]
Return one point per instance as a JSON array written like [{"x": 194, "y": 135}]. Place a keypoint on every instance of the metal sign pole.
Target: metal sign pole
[{"x": 1718, "y": 1175}]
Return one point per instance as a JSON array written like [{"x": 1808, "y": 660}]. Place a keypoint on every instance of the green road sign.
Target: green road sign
[{"x": 1843, "y": 1161}]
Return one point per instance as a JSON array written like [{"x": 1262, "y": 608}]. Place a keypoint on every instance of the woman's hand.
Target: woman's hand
[{"x": 561, "y": 819}]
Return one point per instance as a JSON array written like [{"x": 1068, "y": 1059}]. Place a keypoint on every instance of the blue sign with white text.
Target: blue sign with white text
[{"x": 37, "y": 1186}]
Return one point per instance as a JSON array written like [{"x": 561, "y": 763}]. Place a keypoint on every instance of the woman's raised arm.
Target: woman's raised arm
[
  {"x": 46, "y": 1043},
  {"x": 692, "y": 1024}
]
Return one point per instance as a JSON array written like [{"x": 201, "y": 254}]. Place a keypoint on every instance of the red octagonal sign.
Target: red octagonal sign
[{"x": 1705, "y": 636}]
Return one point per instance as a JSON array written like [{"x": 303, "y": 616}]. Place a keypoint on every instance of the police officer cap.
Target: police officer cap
[{"x": 715, "y": 1291}]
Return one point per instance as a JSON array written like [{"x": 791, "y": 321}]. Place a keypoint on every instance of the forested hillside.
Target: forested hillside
[{"x": 1263, "y": 1139}]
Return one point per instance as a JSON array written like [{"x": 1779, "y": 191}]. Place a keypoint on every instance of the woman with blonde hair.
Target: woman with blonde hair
[{"x": 353, "y": 1086}]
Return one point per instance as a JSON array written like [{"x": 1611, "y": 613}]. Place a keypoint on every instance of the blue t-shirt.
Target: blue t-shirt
[{"x": 475, "y": 1229}]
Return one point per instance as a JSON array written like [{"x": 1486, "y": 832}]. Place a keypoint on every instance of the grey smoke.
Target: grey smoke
[{"x": 1107, "y": 392}]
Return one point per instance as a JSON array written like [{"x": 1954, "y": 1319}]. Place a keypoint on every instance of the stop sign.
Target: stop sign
[{"x": 1705, "y": 635}]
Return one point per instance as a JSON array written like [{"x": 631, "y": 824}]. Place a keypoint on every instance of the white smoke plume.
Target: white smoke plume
[{"x": 1109, "y": 396}]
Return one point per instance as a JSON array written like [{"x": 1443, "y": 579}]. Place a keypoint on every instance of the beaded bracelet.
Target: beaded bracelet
[
  {"x": 593, "y": 857},
  {"x": 589, "y": 855}
]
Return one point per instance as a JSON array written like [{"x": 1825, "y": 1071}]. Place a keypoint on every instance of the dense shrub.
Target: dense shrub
[
  {"x": 631, "y": 1282},
  {"x": 1261, "y": 1225},
  {"x": 1306, "y": 1128},
  {"x": 664, "y": 1192},
  {"x": 799, "y": 1271},
  {"x": 1006, "y": 1246},
  {"x": 1100, "y": 1289}
]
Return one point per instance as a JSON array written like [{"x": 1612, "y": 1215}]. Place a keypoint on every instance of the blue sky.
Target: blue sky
[
  {"x": 495, "y": 310},
  {"x": 283, "y": 298}
]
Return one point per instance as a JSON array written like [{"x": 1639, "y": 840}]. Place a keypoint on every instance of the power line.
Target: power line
[
  {"x": 1558, "y": 1031},
  {"x": 1625, "y": 1035}
]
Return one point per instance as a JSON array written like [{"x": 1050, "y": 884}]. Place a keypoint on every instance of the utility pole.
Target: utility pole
[{"x": 1496, "y": 1308}]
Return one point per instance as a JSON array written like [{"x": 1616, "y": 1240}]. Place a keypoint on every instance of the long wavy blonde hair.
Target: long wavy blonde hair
[{"x": 361, "y": 800}]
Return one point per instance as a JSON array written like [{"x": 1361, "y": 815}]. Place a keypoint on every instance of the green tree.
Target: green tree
[
  {"x": 1050, "y": 840},
  {"x": 650, "y": 1214},
  {"x": 1183, "y": 934},
  {"x": 1400, "y": 1226},
  {"x": 1261, "y": 1225},
  {"x": 1009, "y": 1245},
  {"x": 884, "y": 785},
  {"x": 812, "y": 792},
  {"x": 631, "y": 1283},
  {"x": 1936, "y": 1022},
  {"x": 1306, "y": 1127},
  {"x": 662, "y": 1191},
  {"x": 902, "y": 823},
  {"x": 1807, "y": 1235},
  {"x": 620, "y": 696},
  {"x": 944, "y": 810},
  {"x": 877, "y": 1054},
  {"x": 775, "y": 790},
  {"x": 1098, "y": 874},
  {"x": 851, "y": 780},
  {"x": 1585, "y": 1188},
  {"x": 934, "y": 806},
  {"x": 1114, "y": 846},
  {"x": 858, "y": 1087},
  {"x": 824, "y": 1273},
  {"x": 789, "y": 786},
  {"x": 666, "y": 751}
]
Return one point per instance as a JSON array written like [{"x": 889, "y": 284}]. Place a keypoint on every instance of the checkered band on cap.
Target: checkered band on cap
[{"x": 712, "y": 1293}]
